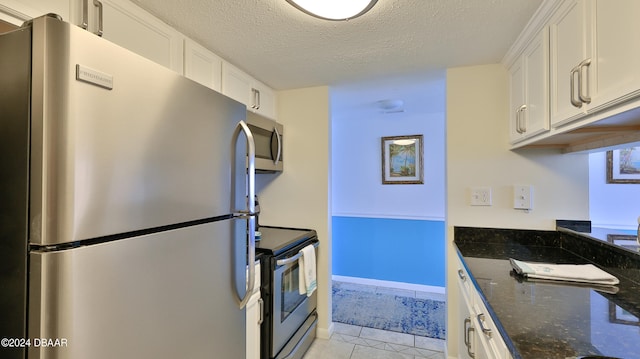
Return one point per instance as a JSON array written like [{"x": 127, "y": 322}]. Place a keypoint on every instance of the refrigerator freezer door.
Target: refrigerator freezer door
[
  {"x": 165, "y": 295},
  {"x": 120, "y": 143}
]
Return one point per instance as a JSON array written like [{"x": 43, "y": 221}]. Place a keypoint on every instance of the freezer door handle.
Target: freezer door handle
[{"x": 250, "y": 195}]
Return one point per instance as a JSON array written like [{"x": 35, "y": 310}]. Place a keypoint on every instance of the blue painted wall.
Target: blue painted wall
[{"x": 399, "y": 250}]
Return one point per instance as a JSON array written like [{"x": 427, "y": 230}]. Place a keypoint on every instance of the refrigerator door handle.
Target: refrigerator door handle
[{"x": 251, "y": 207}]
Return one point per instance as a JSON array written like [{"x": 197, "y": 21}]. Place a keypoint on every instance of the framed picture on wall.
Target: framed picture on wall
[
  {"x": 623, "y": 165},
  {"x": 402, "y": 160}
]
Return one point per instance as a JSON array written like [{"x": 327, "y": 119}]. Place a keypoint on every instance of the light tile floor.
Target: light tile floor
[{"x": 354, "y": 342}]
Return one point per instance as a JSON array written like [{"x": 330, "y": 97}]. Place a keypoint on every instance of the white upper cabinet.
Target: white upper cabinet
[
  {"x": 19, "y": 11},
  {"x": 124, "y": 23},
  {"x": 568, "y": 51},
  {"x": 615, "y": 53},
  {"x": 119, "y": 21},
  {"x": 266, "y": 100},
  {"x": 243, "y": 88},
  {"x": 529, "y": 109},
  {"x": 202, "y": 65},
  {"x": 135, "y": 29},
  {"x": 594, "y": 57}
]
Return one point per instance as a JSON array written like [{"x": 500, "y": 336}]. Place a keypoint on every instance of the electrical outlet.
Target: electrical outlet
[
  {"x": 523, "y": 197},
  {"x": 481, "y": 196}
]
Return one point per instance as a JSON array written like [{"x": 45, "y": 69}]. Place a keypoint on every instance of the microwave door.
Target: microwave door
[{"x": 268, "y": 148}]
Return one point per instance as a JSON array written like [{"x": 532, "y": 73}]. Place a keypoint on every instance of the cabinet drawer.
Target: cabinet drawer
[
  {"x": 487, "y": 329},
  {"x": 464, "y": 280}
]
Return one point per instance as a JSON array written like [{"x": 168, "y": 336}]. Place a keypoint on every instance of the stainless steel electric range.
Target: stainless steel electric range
[{"x": 289, "y": 318}]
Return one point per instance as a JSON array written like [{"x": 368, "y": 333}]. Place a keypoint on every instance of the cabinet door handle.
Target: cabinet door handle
[
  {"x": 485, "y": 330},
  {"x": 469, "y": 331},
  {"x": 572, "y": 76},
  {"x": 518, "y": 121},
  {"x": 98, "y": 4},
  {"x": 257, "y": 99},
  {"x": 461, "y": 274},
  {"x": 584, "y": 98},
  {"x": 522, "y": 124},
  {"x": 85, "y": 15},
  {"x": 467, "y": 342}
]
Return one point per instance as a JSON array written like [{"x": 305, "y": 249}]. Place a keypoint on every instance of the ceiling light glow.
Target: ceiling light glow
[{"x": 334, "y": 9}]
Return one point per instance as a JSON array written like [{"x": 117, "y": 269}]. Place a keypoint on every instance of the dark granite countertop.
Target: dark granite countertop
[
  {"x": 620, "y": 238},
  {"x": 542, "y": 320}
]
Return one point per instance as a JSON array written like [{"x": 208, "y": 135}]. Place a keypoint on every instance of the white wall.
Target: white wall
[
  {"x": 611, "y": 205},
  {"x": 301, "y": 197},
  {"x": 478, "y": 155},
  {"x": 358, "y": 126}
]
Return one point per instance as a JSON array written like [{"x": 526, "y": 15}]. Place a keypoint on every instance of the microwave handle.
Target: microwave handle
[{"x": 279, "y": 138}]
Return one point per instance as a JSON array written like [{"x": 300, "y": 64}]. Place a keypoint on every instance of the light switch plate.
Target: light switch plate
[{"x": 523, "y": 197}]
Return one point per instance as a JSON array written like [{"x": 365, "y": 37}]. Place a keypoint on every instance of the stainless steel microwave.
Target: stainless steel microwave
[{"x": 267, "y": 135}]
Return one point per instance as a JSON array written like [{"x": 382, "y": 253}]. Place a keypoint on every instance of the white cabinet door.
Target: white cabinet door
[
  {"x": 135, "y": 29},
  {"x": 202, "y": 65},
  {"x": 122, "y": 22},
  {"x": 490, "y": 343},
  {"x": 614, "y": 74},
  {"x": 568, "y": 50},
  {"x": 529, "y": 109},
  {"x": 237, "y": 84},
  {"x": 241, "y": 87},
  {"x": 478, "y": 337},
  {"x": 594, "y": 57},
  {"x": 466, "y": 335},
  {"x": 266, "y": 98},
  {"x": 536, "y": 58},
  {"x": 18, "y": 11},
  {"x": 516, "y": 100}
]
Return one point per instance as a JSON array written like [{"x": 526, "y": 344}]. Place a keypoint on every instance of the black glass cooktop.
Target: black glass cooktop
[{"x": 276, "y": 240}]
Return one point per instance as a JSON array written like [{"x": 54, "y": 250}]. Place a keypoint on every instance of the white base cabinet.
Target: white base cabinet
[
  {"x": 255, "y": 310},
  {"x": 478, "y": 337}
]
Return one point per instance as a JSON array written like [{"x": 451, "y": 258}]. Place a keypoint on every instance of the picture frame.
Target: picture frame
[
  {"x": 623, "y": 165},
  {"x": 402, "y": 159}
]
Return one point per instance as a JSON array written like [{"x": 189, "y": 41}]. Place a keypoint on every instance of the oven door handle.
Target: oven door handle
[{"x": 284, "y": 262}]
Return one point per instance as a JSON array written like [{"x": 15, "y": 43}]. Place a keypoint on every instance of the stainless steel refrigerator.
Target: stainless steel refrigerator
[{"x": 126, "y": 204}]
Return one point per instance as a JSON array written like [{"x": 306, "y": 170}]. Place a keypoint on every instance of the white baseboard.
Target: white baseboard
[
  {"x": 390, "y": 284},
  {"x": 324, "y": 333}
]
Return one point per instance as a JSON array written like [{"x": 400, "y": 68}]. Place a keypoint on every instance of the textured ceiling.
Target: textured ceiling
[{"x": 287, "y": 49}]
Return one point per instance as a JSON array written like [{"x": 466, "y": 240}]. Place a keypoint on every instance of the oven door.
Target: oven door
[{"x": 290, "y": 308}]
